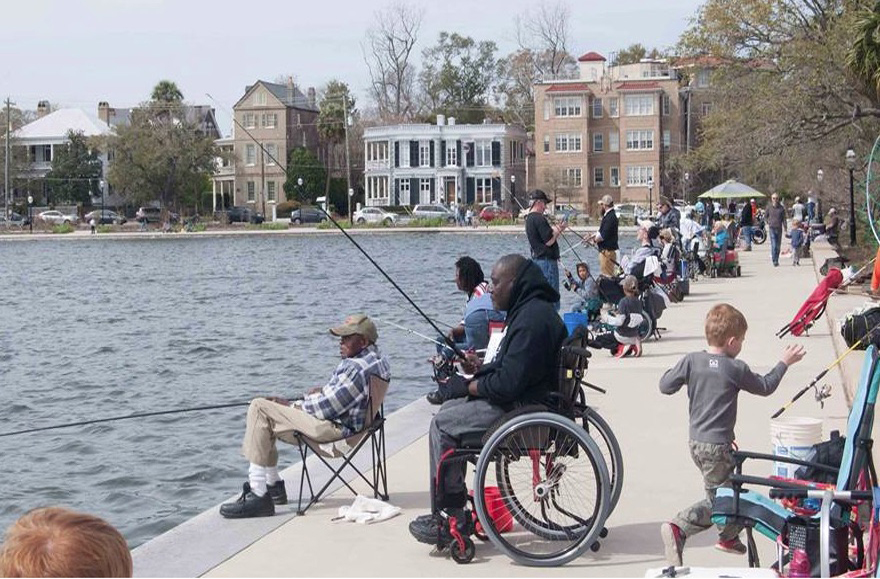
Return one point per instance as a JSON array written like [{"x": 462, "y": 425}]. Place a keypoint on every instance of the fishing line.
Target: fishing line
[
  {"x": 413, "y": 332},
  {"x": 446, "y": 339}
]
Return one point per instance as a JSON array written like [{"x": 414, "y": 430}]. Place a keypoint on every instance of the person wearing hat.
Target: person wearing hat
[
  {"x": 543, "y": 239},
  {"x": 832, "y": 227},
  {"x": 606, "y": 238},
  {"x": 670, "y": 217},
  {"x": 327, "y": 413}
]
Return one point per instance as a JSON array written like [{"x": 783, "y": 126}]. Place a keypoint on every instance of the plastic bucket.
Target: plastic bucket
[
  {"x": 793, "y": 437},
  {"x": 573, "y": 320}
]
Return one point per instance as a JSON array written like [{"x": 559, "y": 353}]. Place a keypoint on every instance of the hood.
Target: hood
[{"x": 530, "y": 284}]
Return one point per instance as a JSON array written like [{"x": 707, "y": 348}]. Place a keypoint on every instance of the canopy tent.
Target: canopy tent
[{"x": 731, "y": 189}]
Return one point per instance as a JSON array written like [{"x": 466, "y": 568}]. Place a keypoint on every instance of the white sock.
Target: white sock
[
  {"x": 257, "y": 479},
  {"x": 272, "y": 475}
]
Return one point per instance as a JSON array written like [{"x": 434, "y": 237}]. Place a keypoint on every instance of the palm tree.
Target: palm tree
[
  {"x": 166, "y": 91},
  {"x": 863, "y": 57}
]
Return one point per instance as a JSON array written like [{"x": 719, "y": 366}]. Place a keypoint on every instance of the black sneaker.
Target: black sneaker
[
  {"x": 278, "y": 493},
  {"x": 248, "y": 505},
  {"x": 435, "y": 398},
  {"x": 427, "y": 528}
]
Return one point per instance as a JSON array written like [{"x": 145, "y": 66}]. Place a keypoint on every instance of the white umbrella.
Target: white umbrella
[{"x": 732, "y": 189}]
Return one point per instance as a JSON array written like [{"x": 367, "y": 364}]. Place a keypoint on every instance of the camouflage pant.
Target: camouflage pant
[{"x": 716, "y": 464}]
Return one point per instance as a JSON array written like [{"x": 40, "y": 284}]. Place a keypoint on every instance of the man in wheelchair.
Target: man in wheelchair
[{"x": 522, "y": 372}]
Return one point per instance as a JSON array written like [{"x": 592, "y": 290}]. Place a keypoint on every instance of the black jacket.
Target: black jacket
[
  {"x": 525, "y": 366},
  {"x": 608, "y": 231}
]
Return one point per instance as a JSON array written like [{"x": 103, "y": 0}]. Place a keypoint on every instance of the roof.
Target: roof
[
  {"x": 279, "y": 91},
  {"x": 58, "y": 124},
  {"x": 703, "y": 60},
  {"x": 201, "y": 115},
  {"x": 638, "y": 85},
  {"x": 569, "y": 87},
  {"x": 592, "y": 57}
]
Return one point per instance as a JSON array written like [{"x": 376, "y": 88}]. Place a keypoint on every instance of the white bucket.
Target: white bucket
[{"x": 793, "y": 437}]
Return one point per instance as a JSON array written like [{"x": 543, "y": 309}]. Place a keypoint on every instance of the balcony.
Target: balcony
[{"x": 378, "y": 165}]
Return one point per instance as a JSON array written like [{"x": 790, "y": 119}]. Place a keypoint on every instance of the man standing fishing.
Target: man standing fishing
[
  {"x": 328, "y": 413},
  {"x": 543, "y": 240},
  {"x": 606, "y": 238}
]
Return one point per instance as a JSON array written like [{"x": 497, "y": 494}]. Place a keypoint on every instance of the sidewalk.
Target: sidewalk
[{"x": 652, "y": 429}]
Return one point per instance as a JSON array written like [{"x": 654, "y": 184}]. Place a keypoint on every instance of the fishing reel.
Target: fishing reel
[{"x": 822, "y": 392}]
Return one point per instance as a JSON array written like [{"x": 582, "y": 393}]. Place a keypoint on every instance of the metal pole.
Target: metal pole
[
  {"x": 6, "y": 169},
  {"x": 852, "y": 210},
  {"x": 347, "y": 159}
]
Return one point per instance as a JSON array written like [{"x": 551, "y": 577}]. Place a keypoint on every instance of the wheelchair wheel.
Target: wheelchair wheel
[
  {"x": 554, "y": 489},
  {"x": 758, "y": 236},
  {"x": 646, "y": 328},
  {"x": 604, "y": 438}
]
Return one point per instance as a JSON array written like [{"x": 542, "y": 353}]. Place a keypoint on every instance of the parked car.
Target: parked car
[
  {"x": 433, "y": 212},
  {"x": 239, "y": 214},
  {"x": 374, "y": 215},
  {"x": 307, "y": 215},
  {"x": 491, "y": 213},
  {"x": 55, "y": 217},
  {"x": 15, "y": 219},
  {"x": 631, "y": 211},
  {"x": 108, "y": 218}
]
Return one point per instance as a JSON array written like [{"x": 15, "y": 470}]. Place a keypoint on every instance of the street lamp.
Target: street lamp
[
  {"x": 650, "y": 195},
  {"x": 820, "y": 174},
  {"x": 851, "y": 165},
  {"x": 101, "y": 185},
  {"x": 512, "y": 190},
  {"x": 30, "y": 212},
  {"x": 687, "y": 177},
  {"x": 299, "y": 185}
]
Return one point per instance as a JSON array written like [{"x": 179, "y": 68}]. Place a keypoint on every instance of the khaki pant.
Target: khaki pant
[
  {"x": 716, "y": 464},
  {"x": 607, "y": 262},
  {"x": 267, "y": 421}
]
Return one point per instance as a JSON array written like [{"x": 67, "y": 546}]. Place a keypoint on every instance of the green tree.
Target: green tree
[
  {"x": 636, "y": 52},
  {"x": 166, "y": 91},
  {"x": 303, "y": 164},
  {"x": 76, "y": 171},
  {"x": 457, "y": 76},
  {"x": 331, "y": 128}
]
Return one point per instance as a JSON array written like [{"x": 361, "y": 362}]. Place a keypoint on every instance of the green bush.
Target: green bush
[
  {"x": 344, "y": 223},
  {"x": 427, "y": 222},
  {"x": 105, "y": 228},
  {"x": 63, "y": 228},
  {"x": 499, "y": 221},
  {"x": 270, "y": 225},
  {"x": 284, "y": 208}
]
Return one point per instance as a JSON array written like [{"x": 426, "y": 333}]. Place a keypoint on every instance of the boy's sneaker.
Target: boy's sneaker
[
  {"x": 673, "y": 542},
  {"x": 620, "y": 351},
  {"x": 636, "y": 350},
  {"x": 278, "y": 492},
  {"x": 733, "y": 546}
]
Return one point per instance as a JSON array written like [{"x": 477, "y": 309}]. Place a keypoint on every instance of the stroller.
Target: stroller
[{"x": 814, "y": 307}]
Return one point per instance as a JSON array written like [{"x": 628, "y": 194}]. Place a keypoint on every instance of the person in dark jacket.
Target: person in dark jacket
[
  {"x": 746, "y": 220},
  {"x": 523, "y": 371},
  {"x": 670, "y": 217},
  {"x": 543, "y": 239},
  {"x": 606, "y": 238},
  {"x": 776, "y": 224}
]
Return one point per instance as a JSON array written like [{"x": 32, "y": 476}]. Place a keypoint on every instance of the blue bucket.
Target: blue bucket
[{"x": 573, "y": 320}]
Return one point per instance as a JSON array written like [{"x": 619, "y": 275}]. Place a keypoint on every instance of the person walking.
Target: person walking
[
  {"x": 543, "y": 239},
  {"x": 775, "y": 215},
  {"x": 606, "y": 238},
  {"x": 746, "y": 220},
  {"x": 798, "y": 211}
]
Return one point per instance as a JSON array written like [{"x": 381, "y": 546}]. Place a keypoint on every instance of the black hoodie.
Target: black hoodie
[{"x": 525, "y": 366}]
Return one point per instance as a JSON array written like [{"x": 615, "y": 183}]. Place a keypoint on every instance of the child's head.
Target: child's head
[
  {"x": 630, "y": 285},
  {"x": 583, "y": 270},
  {"x": 726, "y": 328},
  {"x": 719, "y": 226},
  {"x": 795, "y": 223}
]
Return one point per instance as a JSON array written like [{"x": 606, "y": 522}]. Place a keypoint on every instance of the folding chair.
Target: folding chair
[{"x": 372, "y": 432}]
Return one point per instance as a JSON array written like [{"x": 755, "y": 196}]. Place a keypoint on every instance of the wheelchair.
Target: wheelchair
[{"x": 546, "y": 476}]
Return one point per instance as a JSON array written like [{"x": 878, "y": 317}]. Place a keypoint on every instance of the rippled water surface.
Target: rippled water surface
[{"x": 107, "y": 327}]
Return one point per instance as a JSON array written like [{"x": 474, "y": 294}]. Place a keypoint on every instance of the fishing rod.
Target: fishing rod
[
  {"x": 822, "y": 374},
  {"x": 413, "y": 332},
  {"x": 446, "y": 339}
]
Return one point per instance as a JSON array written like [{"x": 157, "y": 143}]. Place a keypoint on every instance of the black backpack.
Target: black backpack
[
  {"x": 856, "y": 327},
  {"x": 829, "y": 453}
]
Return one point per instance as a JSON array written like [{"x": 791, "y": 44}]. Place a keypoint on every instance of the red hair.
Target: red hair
[{"x": 56, "y": 542}]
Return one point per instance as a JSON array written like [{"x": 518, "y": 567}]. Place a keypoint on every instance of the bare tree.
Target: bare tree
[
  {"x": 545, "y": 33},
  {"x": 387, "y": 50}
]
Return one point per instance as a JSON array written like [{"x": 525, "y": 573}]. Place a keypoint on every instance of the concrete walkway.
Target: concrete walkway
[{"x": 652, "y": 429}]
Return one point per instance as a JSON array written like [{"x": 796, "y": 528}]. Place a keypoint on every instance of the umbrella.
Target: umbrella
[{"x": 732, "y": 189}]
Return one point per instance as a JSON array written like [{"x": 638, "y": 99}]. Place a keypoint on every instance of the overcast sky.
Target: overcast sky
[{"x": 78, "y": 52}]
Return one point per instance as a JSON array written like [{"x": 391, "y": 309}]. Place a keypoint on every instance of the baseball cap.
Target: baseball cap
[
  {"x": 646, "y": 223},
  {"x": 663, "y": 201},
  {"x": 538, "y": 195},
  {"x": 607, "y": 201},
  {"x": 357, "y": 324}
]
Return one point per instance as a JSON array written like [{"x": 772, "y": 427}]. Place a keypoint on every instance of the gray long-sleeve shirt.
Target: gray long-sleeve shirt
[{"x": 713, "y": 385}]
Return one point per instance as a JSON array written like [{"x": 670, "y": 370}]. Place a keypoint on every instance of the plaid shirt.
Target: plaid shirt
[{"x": 344, "y": 399}]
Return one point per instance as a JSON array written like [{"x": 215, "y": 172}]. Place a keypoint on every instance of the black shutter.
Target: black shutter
[
  {"x": 471, "y": 191},
  {"x": 414, "y": 160},
  {"x": 397, "y": 153},
  {"x": 432, "y": 154},
  {"x": 413, "y": 191},
  {"x": 458, "y": 159},
  {"x": 442, "y": 153},
  {"x": 395, "y": 193},
  {"x": 496, "y": 191},
  {"x": 496, "y": 153},
  {"x": 470, "y": 154},
  {"x": 433, "y": 190}
]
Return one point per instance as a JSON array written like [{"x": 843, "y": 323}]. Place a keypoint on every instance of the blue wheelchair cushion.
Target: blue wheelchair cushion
[{"x": 755, "y": 510}]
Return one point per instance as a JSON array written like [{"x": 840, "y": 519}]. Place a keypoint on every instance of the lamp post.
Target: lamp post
[
  {"x": 851, "y": 165},
  {"x": 101, "y": 185},
  {"x": 650, "y": 196},
  {"x": 687, "y": 177},
  {"x": 512, "y": 191},
  {"x": 30, "y": 213},
  {"x": 299, "y": 185}
]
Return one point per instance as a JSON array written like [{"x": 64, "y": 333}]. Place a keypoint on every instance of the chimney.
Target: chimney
[
  {"x": 441, "y": 120},
  {"x": 43, "y": 109},
  {"x": 104, "y": 111},
  {"x": 451, "y": 120},
  {"x": 312, "y": 99},
  {"x": 290, "y": 90}
]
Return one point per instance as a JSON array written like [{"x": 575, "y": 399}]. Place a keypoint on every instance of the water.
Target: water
[{"x": 101, "y": 328}]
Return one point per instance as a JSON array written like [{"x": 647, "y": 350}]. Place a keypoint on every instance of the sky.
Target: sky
[{"x": 75, "y": 53}]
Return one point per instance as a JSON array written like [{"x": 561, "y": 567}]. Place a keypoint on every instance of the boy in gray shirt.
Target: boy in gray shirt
[{"x": 714, "y": 379}]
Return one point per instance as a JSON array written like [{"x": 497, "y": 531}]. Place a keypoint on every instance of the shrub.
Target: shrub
[
  {"x": 284, "y": 208},
  {"x": 63, "y": 228},
  {"x": 344, "y": 223},
  {"x": 427, "y": 222},
  {"x": 105, "y": 229},
  {"x": 270, "y": 225}
]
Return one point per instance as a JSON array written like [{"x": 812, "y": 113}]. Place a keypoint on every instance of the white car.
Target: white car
[
  {"x": 55, "y": 217},
  {"x": 433, "y": 212},
  {"x": 374, "y": 215},
  {"x": 630, "y": 211}
]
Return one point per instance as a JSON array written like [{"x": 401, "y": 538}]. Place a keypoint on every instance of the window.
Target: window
[
  {"x": 597, "y": 108},
  {"x": 484, "y": 153},
  {"x": 664, "y": 105},
  {"x": 41, "y": 154},
  {"x": 424, "y": 154},
  {"x": 546, "y": 143},
  {"x": 451, "y": 154},
  {"x": 404, "y": 192},
  {"x": 568, "y": 143},
  {"x": 638, "y": 105},
  {"x": 250, "y": 154},
  {"x": 639, "y": 175},
  {"x": 484, "y": 191},
  {"x": 260, "y": 99},
  {"x": 639, "y": 140},
  {"x": 614, "y": 175},
  {"x": 705, "y": 108},
  {"x": 598, "y": 142},
  {"x": 567, "y": 106},
  {"x": 250, "y": 121},
  {"x": 270, "y": 190},
  {"x": 271, "y": 153},
  {"x": 424, "y": 190},
  {"x": 598, "y": 176},
  {"x": 572, "y": 177},
  {"x": 613, "y": 142},
  {"x": 667, "y": 139},
  {"x": 269, "y": 120},
  {"x": 404, "y": 153},
  {"x": 612, "y": 108},
  {"x": 547, "y": 106},
  {"x": 703, "y": 77},
  {"x": 251, "y": 191}
]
